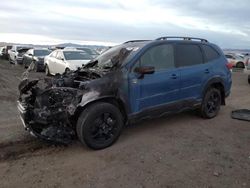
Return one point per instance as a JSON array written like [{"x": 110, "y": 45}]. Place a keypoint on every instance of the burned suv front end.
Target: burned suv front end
[
  {"x": 51, "y": 107},
  {"x": 47, "y": 106}
]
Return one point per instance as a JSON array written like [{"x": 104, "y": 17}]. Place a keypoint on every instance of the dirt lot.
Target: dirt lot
[{"x": 177, "y": 151}]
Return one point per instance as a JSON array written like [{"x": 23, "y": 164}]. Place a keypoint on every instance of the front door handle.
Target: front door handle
[
  {"x": 174, "y": 76},
  {"x": 207, "y": 71}
]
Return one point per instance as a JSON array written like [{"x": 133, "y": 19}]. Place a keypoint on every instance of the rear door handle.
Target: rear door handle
[
  {"x": 207, "y": 71},
  {"x": 174, "y": 76}
]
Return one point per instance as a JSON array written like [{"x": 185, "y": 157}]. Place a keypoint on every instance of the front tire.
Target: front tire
[
  {"x": 211, "y": 103},
  {"x": 99, "y": 125}
]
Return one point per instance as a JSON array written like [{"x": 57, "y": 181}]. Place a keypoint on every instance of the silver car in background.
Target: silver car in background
[{"x": 60, "y": 61}]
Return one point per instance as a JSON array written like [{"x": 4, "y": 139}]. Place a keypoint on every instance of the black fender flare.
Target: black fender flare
[
  {"x": 215, "y": 81},
  {"x": 121, "y": 104}
]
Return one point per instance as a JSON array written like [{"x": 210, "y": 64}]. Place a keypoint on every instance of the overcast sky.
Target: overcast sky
[{"x": 223, "y": 22}]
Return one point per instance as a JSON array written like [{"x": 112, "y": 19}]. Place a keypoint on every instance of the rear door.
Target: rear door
[
  {"x": 157, "y": 90},
  {"x": 193, "y": 72},
  {"x": 60, "y": 63}
]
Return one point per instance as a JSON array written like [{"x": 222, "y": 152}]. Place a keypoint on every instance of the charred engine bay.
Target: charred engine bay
[{"x": 48, "y": 105}]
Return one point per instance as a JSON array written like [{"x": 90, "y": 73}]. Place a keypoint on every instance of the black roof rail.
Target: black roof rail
[
  {"x": 135, "y": 41},
  {"x": 184, "y": 38}
]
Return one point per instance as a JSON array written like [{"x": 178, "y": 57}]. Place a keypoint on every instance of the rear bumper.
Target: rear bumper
[{"x": 19, "y": 60}]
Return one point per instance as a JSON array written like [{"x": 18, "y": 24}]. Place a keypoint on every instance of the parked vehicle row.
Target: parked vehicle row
[
  {"x": 4, "y": 52},
  {"x": 16, "y": 53},
  {"x": 51, "y": 61}
]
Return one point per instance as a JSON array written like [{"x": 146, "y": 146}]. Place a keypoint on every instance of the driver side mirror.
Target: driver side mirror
[{"x": 144, "y": 70}]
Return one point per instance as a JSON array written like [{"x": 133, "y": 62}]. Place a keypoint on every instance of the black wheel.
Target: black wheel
[
  {"x": 67, "y": 70},
  {"x": 99, "y": 125},
  {"x": 47, "y": 72},
  {"x": 211, "y": 103},
  {"x": 240, "y": 65},
  {"x": 248, "y": 79}
]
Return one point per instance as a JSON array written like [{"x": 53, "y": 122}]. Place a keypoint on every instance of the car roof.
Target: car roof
[{"x": 168, "y": 39}]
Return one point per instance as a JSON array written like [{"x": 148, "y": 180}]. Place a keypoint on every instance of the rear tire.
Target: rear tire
[
  {"x": 47, "y": 72},
  {"x": 240, "y": 65},
  {"x": 211, "y": 103},
  {"x": 99, "y": 125}
]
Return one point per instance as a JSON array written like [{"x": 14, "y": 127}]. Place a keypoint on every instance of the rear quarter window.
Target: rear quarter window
[
  {"x": 188, "y": 55},
  {"x": 210, "y": 53}
]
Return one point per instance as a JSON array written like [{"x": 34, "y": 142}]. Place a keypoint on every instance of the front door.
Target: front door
[{"x": 157, "y": 90}]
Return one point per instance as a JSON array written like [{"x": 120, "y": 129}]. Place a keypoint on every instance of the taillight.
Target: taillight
[{"x": 229, "y": 65}]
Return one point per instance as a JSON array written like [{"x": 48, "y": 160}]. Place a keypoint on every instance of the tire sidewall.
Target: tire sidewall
[
  {"x": 86, "y": 119},
  {"x": 208, "y": 93}
]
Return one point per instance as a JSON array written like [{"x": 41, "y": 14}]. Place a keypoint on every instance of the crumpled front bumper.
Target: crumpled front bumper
[{"x": 23, "y": 113}]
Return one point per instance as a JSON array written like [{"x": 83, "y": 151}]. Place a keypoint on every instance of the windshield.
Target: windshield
[
  {"x": 104, "y": 60},
  {"x": 41, "y": 52},
  {"x": 76, "y": 55},
  {"x": 89, "y": 51}
]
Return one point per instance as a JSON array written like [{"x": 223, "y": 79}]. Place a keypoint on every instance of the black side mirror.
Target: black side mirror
[{"x": 145, "y": 70}]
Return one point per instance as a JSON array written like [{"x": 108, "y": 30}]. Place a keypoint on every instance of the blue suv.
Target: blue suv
[{"x": 129, "y": 82}]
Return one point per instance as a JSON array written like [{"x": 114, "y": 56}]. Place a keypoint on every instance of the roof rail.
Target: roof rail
[
  {"x": 184, "y": 38},
  {"x": 135, "y": 41}
]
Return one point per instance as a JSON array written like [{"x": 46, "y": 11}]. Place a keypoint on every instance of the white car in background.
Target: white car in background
[
  {"x": 1, "y": 51},
  {"x": 235, "y": 60},
  {"x": 60, "y": 61}
]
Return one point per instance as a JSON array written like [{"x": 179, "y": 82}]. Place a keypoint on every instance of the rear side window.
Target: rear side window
[
  {"x": 210, "y": 53},
  {"x": 188, "y": 55},
  {"x": 160, "y": 57}
]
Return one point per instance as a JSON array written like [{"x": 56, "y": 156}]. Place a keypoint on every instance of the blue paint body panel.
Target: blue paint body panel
[{"x": 175, "y": 85}]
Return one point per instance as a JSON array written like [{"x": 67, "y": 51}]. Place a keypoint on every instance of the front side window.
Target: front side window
[
  {"x": 160, "y": 57},
  {"x": 188, "y": 55}
]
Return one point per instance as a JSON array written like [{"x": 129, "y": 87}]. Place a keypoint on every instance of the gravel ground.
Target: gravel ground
[{"x": 177, "y": 151}]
